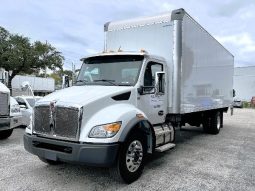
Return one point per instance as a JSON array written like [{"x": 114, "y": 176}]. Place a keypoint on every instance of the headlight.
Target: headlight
[
  {"x": 15, "y": 109},
  {"x": 105, "y": 131}
]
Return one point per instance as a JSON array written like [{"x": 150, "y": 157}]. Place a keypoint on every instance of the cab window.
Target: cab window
[{"x": 149, "y": 75}]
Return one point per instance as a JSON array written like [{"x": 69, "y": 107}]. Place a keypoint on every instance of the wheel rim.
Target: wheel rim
[
  {"x": 218, "y": 121},
  {"x": 134, "y": 155}
]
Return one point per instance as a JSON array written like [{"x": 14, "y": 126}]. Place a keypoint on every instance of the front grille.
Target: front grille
[
  {"x": 63, "y": 123},
  {"x": 67, "y": 122},
  {"x": 4, "y": 104},
  {"x": 42, "y": 120}
]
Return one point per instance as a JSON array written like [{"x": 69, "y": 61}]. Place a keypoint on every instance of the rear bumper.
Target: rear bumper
[
  {"x": 82, "y": 153},
  {"x": 5, "y": 123}
]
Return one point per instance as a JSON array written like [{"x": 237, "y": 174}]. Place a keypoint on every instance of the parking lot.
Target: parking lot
[{"x": 198, "y": 162}]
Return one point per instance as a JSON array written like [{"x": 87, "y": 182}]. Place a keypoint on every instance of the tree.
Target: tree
[
  {"x": 4, "y": 37},
  {"x": 57, "y": 78},
  {"x": 19, "y": 55},
  {"x": 48, "y": 56}
]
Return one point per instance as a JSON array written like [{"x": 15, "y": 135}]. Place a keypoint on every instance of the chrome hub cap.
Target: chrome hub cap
[{"x": 134, "y": 155}]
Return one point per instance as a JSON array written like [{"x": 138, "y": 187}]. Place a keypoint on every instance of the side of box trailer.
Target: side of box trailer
[
  {"x": 206, "y": 75},
  {"x": 38, "y": 84},
  {"x": 200, "y": 69}
]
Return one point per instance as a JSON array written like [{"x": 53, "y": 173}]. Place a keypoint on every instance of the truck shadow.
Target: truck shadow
[
  {"x": 188, "y": 133},
  {"x": 99, "y": 178}
]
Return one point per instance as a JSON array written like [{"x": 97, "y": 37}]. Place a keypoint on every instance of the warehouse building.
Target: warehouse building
[{"x": 244, "y": 82}]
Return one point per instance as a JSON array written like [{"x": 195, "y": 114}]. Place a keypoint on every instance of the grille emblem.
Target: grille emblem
[{"x": 52, "y": 116}]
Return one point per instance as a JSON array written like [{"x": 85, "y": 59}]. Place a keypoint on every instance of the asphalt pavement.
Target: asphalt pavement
[{"x": 198, "y": 162}]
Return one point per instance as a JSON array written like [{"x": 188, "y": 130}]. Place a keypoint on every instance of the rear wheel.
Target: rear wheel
[
  {"x": 6, "y": 133},
  {"x": 213, "y": 122},
  {"x": 50, "y": 162},
  {"x": 130, "y": 162}
]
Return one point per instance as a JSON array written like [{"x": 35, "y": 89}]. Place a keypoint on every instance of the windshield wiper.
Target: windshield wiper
[
  {"x": 76, "y": 83},
  {"x": 105, "y": 80},
  {"x": 82, "y": 81}
]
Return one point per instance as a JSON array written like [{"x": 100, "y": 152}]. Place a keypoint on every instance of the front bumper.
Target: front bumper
[
  {"x": 103, "y": 155},
  {"x": 5, "y": 123},
  {"x": 237, "y": 104}
]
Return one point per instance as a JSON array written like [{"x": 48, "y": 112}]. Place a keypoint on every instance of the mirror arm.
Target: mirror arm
[{"x": 140, "y": 90}]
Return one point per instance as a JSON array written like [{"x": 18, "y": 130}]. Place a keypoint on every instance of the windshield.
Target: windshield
[
  {"x": 32, "y": 101},
  {"x": 110, "y": 70}
]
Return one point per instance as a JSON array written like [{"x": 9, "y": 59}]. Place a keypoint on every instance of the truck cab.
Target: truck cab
[
  {"x": 134, "y": 71},
  {"x": 118, "y": 105},
  {"x": 5, "y": 118}
]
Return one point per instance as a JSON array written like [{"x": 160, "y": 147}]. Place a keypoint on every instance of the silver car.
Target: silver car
[{"x": 26, "y": 106}]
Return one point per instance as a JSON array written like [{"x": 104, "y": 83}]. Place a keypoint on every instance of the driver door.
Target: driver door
[{"x": 153, "y": 105}]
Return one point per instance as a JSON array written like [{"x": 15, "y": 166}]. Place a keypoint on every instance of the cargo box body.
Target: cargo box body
[{"x": 200, "y": 69}]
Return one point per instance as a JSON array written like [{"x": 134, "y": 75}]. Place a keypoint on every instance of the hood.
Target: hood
[{"x": 82, "y": 95}]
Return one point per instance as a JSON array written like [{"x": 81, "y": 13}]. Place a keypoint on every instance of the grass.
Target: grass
[{"x": 247, "y": 104}]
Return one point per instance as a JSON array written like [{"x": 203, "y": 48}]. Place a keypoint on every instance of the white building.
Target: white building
[{"x": 244, "y": 82}]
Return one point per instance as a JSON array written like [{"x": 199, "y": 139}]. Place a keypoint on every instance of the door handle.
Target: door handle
[{"x": 161, "y": 112}]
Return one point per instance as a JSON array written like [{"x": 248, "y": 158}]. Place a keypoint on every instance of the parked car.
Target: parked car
[
  {"x": 15, "y": 113},
  {"x": 26, "y": 104},
  {"x": 238, "y": 103}
]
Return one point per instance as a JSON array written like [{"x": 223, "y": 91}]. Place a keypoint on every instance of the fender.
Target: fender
[
  {"x": 144, "y": 126},
  {"x": 124, "y": 112}
]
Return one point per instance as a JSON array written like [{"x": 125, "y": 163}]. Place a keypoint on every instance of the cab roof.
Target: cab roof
[{"x": 125, "y": 53}]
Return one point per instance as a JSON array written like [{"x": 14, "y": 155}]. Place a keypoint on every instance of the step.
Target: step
[{"x": 165, "y": 147}]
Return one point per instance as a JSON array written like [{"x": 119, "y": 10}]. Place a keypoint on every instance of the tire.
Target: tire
[
  {"x": 6, "y": 133},
  {"x": 206, "y": 123},
  {"x": 221, "y": 119},
  {"x": 212, "y": 123},
  {"x": 173, "y": 136},
  {"x": 50, "y": 162},
  {"x": 125, "y": 169}
]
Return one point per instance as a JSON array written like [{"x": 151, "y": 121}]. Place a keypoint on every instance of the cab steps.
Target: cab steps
[{"x": 165, "y": 147}]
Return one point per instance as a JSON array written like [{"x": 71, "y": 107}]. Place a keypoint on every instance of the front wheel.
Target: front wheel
[
  {"x": 5, "y": 134},
  {"x": 130, "y": 162}
]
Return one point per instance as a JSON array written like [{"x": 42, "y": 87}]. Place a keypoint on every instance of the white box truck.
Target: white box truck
[
  {"x": 40, "y": 86},
  {"x": 155, "y": 74}
]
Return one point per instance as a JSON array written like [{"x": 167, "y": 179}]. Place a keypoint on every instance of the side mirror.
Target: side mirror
[
  {"x": 143, "y": 90},
  {"x": 160, "y": 83}
]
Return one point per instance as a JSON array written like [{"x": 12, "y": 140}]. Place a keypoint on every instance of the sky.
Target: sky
[{"x": 76, "y": 27}]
